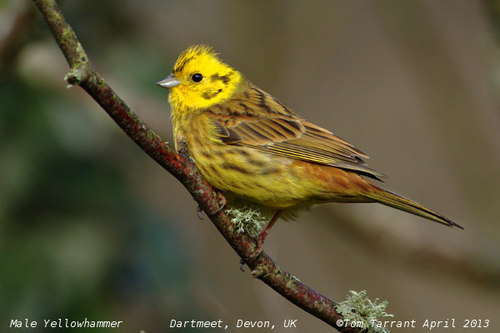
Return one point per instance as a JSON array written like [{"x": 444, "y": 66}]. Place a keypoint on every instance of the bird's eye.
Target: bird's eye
[{"x": 197, "y": 77}]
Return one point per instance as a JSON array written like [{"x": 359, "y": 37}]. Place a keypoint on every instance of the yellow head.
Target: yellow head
[{"x": 199, "y": 80}]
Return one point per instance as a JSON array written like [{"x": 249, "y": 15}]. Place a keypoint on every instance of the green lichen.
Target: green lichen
[
  {"x": 149, "y": 134},
  {"x": 359, "y": 311},
  {"x": 83, "y": 59},
  {"x": 247, "y": 218},
  {"x": 67, "y": 35}
]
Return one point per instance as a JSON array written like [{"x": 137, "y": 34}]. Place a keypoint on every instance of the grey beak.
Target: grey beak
[{"x": 168, "y": 82}]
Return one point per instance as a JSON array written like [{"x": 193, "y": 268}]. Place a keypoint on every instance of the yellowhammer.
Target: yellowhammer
[{"x": 251, "y": 146}]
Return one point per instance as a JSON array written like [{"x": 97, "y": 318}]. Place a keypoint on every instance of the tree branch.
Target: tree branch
[{"x": 263, "y": 267}]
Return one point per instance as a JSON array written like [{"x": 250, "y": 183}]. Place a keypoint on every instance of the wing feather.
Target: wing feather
[{"x": 260, "y": 121}]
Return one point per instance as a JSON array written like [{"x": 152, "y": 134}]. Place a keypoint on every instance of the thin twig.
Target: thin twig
[{"x": 263, "y": 267}]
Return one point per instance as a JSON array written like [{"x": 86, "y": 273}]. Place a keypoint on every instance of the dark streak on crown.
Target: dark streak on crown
[{"x": 180, "y": 66}]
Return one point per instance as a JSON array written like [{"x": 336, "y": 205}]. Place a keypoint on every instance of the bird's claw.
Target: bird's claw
[
  {"x": 199, "y": 210},
  {"x": 243, "y": 262},
  {"x": 222, "y": 203}
]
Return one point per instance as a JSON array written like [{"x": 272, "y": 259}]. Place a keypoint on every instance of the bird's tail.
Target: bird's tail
[{"x": 394, "y": 200}]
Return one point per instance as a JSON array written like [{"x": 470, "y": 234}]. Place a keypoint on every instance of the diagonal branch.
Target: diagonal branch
[{"x": 263, "y": 267}]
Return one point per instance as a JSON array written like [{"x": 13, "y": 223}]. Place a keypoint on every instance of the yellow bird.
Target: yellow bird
[{"x": 253, "y": 147}]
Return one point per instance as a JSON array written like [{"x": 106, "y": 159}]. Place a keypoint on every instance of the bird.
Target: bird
[{"x": 252, "y": 147}]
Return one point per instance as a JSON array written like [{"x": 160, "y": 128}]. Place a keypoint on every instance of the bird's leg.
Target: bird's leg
[{"x": 262, "y": 236}]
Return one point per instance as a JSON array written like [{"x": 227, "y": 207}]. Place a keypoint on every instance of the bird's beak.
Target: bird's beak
[{"x": 169, "y": 82}]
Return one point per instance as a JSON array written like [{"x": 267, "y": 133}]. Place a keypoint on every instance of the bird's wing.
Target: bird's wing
[{"x": 260, "y": 121}]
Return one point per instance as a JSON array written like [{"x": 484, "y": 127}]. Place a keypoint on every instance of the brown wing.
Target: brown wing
[{"x": 258, "y": 120}]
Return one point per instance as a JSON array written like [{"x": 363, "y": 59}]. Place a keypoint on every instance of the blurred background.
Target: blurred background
[{"x": 91, "y": 227}]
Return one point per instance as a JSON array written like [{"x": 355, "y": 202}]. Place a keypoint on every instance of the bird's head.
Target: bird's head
[{"x": 199, "y": 80}]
